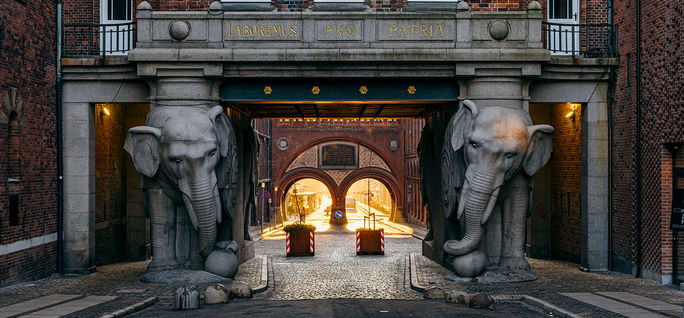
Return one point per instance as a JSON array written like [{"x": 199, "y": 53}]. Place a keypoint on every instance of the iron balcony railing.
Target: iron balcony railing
[
  {"x": 588, "y": 40},
  {"x": 82, "y": 39}
]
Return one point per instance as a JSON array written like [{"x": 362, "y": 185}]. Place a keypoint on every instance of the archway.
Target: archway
[{"x": 307, "y": 200}]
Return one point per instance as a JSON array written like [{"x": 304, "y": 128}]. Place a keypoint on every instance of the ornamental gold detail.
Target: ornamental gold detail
[
  {"x": 411, "y": 89},
  {"x": 268, "y": 90},
  {"x": 315, "y": 90},
  {"x": 363, "y": 90}
]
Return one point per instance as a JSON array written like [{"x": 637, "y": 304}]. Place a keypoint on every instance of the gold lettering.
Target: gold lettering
[
  {"x": 229, "y": 33},
  {"x": 349, "y": 30},
  {"x": 402, "y": 29},
  {"x": 278, "y": 30},
  {"x": 430, "y": 29},
  {"x": 338, "y": 30},
  {"x": 439, "y": 29},
  {"x": 413, "y": 28},
  {"x": 293, "y": 29},
  {"x": 245, "y": 30},
  {"x": 392, "y": 29},
  {"x": 268, "y": 30},
  {"x": 238, "y": 30},
  {"x": 423, "y": 30},
  {"x": 253, "y": 30},
  {"x": 261, "y": 30},
  {"x": 326, "y": 28}
]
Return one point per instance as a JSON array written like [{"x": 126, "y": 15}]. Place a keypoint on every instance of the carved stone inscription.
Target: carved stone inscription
[
  {"x": 338, "y": 156},
  {"x": 274, "y": 30},
  {"x": 416, "y": 30},
  {"x": 334, "y": 30}
]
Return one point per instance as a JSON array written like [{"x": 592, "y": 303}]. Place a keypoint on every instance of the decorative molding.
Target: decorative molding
[
  {"x": 12, "y": 102},
  {"x": 28, "y": 243}
]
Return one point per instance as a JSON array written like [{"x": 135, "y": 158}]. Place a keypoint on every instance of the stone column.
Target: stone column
[
  {"x": 501, "y": 91},
  {"x": 594, "y": 205},
  {"x": 79, "y": 188}
]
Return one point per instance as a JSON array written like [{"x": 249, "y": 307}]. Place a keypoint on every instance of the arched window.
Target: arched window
[{"x": 14, "y": 157}]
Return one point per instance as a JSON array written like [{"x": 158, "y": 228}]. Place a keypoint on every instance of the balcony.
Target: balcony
[
  {"x": 90, "y": 40},
  {"x": 585, "y": 40}
]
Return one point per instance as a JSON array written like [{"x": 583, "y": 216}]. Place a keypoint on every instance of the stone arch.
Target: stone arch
[
  {"x": 385, "y": 177},
  {"x": 283, "y": 170},
  {"x": 12, "y": 102},
  {"x": 295, "y": 175}
]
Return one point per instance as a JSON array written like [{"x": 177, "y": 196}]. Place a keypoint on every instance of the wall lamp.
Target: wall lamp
[
  {"x": 106, "y": 110},
  {"x": 573, "y": 107}
]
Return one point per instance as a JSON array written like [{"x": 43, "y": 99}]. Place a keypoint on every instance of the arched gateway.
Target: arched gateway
[{"x": 396, "y": 65}]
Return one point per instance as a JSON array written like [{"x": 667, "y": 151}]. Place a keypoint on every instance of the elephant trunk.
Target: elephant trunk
[
  {"x": 479, "y": 195},
  {"x": 201, "y": 205}
]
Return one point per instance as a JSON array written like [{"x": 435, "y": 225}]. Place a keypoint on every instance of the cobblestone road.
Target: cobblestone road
[{"x": 336, "y": 272}]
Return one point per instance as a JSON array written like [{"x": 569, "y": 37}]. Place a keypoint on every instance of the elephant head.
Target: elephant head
[
  {"x": 194, "y": 151},
  {"x": 482, "y": 150}
]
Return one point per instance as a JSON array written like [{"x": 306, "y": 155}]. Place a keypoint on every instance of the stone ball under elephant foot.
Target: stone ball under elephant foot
[
  {"x": 222, "y": 263},
  {"x": 240, "y": 290},
  {"x": 469, "y": 265}
]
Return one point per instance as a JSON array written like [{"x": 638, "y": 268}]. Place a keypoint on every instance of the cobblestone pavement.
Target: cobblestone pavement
[
  {"x": 555, "y": 277},
  {"x": 336, "y": 272}
]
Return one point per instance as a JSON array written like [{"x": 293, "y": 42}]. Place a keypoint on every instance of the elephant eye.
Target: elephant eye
[
  {"x": 511, "y": 155},
  {"x": 474, "y": 144},
  {"x": 212, "y": 153},
  {"x": 177, "y": 160}
]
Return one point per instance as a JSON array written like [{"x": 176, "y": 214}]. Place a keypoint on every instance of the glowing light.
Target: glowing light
[
  {"x": 569, "y": 114},
  {"x": 106, "y": 110}
]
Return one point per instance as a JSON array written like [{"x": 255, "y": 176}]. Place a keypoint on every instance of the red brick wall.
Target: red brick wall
[
  {"x": 110, "y": 182},
  {"x": 414, "y": 201},
  {"x": 565, "y": 163},
  {"x": 661, "y": 123},
  {"x": 27, "y": 64}
]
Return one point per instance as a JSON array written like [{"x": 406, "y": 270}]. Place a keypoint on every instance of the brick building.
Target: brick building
[
  {"x": 604, "y": 200},
  {"x": 28, "y": 143}
]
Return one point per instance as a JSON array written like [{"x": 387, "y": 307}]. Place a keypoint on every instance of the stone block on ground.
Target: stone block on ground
[
  {"x": 458, "y": 297},
  {"x": 176, "y": 276},
  {"x": 186, "y": 297},
  {"x": 216, "y": 294},
  {"x": 434, "y": 293},
  {"x": 240, "y": 290},
  {"x": 482, "y": 301}
]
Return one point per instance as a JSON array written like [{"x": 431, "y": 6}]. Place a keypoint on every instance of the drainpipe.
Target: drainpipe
[
  {"x": 638, "y": 140},
  {"x": 612, "y": 83},
  {"x": 60, "y": 177},
  {"x": 268, "y": 164}
]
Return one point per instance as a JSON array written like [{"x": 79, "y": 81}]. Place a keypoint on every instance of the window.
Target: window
[
  {"x": 119, "y": 10},
  {"x": 13, "y": 210}
]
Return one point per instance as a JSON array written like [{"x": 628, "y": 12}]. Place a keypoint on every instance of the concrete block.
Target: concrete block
[
  {"x": 75, "y": 203},
  {"x": 596, "y": 260},
  {"x": 596, "y": 204},
  {"x": 320, "y": 55},
  {"x": 597, "y": 149},
  {"x": 597, "y": 223},
  {"x": 595, "y": 129},
  {"x": 596, "y": 111},
  {"x": 366, "y": 54},
  {"x": 420, "y": 54},
  {"x": 597, "y": 185},
  {"x": 272, "y": 55},
  {"x": 77, "y": 184},
  {"x": 75, "y": 111},
  {"x": 596, "y": 241}
]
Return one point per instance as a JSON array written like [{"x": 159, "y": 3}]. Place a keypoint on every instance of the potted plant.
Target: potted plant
[{"x": 300, "y": 239}]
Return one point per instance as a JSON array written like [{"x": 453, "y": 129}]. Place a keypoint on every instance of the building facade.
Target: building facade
[
  {"x": 296, "y": 66},
  {"x": 28, "y": 141}
]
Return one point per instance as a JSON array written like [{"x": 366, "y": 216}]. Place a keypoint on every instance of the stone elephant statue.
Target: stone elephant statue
[
  {"x": 489, "y": 158},
  {"x": 189, "y": 162}
]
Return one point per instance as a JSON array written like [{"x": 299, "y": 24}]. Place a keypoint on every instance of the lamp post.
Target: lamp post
[{"x": 263, "y": 189}]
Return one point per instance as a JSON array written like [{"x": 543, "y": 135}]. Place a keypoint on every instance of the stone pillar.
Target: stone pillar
[
  {"x": 502, "y": 91},
  {"x": 594, "y": 206},
  {"x": 79, "y": 187}
]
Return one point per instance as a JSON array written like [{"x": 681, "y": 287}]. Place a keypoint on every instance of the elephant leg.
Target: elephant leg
[
  {"x": 493, "y": 237},
  {"x": 515, "y": 218},
  {"x": 163, "y": 227}
]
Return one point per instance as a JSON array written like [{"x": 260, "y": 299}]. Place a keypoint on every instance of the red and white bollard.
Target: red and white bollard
[
  {"x": 311, "y": 242},
  {"x": 358, "y": 242},
  {"x": 382, "y": 241},
  {"x": 287, "y": 242}
]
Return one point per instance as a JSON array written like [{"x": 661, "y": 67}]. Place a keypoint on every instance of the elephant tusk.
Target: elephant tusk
[
  {"x": 217, "y": 201},
  {"x": 490, "y": 206},
  {"x": 462, "y": 200}
]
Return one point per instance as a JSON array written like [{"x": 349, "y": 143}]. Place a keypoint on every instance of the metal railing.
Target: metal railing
[
  {"x": 83, "y": 39},
  {"x": 588, "y": 40}
]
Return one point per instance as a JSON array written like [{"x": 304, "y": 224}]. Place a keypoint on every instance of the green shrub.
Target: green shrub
[{"x": 299, "y": 227}]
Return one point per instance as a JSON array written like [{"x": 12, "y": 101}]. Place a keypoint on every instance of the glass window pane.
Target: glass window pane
[
  {"x": 560, "y": 9},
  {"x": 119, "y": 9}
]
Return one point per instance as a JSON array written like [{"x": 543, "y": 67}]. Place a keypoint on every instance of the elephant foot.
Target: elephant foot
[
  {"x": 515, "y": 263},
  {"x": 161, "y": 264}
]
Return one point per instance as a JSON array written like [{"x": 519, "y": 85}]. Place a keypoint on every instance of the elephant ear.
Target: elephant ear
[
  {"x": 227, "y": 168},
  {"x": 453, "y": 158},
  {"x": 142, "y": 143},
  {"x": 539, "y": 148}
]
